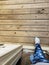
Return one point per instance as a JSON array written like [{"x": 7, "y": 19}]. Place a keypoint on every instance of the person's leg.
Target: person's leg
[
  {"x": 38, "y": 55},
  {"x": 32, "y": 59}
]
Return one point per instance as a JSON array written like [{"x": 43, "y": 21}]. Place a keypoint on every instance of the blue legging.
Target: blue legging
[{"x": 38, "y": 55}]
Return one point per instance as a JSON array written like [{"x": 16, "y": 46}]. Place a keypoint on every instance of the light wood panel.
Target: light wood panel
[
  {"x": 22, "y": 39},
  {"x": 25, "y": 11},
  {"x": 24, "y": 34},
  {"x": 19, "y": 6},
  {"x": 25, "y": 17},
  {"x": 22, "y": 20},
  {"x": 23, "y": 28},
  {"x": 25, "y": 22},
  {"x": 22, "y": 1}
]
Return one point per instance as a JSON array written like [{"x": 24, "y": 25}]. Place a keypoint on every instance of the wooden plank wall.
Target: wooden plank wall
[{"x": 22, "y": 20}]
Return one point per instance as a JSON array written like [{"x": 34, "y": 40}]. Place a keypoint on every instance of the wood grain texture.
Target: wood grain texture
[
  {"x": 25, "y": 17},
  {"x": 24, "y": 34},
  {"x": 23, "y": 28},
  {"x": 22, "y": 20},
  {"x": 21, "y": 6},
  {"x": 22, "y": 1},
  {"x": 25, "y": 22},
  {"x": 22, "y": 39},
  {"x": 25, "y": 11}
]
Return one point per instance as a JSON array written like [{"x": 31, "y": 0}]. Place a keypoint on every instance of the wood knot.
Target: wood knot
[
  {"x": 14, "y": 32},
  {"x": 39, "y": 12},
  {"x": 42, "y": 9}
]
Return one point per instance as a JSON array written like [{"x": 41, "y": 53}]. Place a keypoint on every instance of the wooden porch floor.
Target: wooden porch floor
[{"x": 24, "y": 60}]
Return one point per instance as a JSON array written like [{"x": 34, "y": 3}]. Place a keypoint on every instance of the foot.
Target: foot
[{"x": 37, "y": 40}]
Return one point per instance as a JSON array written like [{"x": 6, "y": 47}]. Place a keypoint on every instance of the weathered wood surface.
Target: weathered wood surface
[
  {"x": 23, "y": 28},
  {"x": 22, "y": 1},
  {"x": 27, "y": 40},
  {"x": 25, "y": 17},
  {"x": 24, "y": 34},
  {"x": 20, "y": 6},
  {"x": 22, "y": 20},
  {"x": 25, "y": 11},
  {"x": 25, "y": 22}
]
